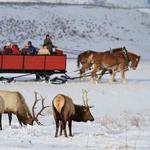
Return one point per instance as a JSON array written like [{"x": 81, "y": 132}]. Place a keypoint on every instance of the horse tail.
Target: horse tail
[{"x": 78, "y": 61}]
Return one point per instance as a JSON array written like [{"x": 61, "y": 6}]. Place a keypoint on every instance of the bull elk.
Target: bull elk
[
  {"x": 65, "y": 110},
  {"x": 13, "y": 102}
]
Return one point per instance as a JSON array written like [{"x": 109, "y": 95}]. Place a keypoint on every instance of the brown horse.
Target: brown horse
[
  {"x": 115, "y": 62},
  {"x": 83, "y": 57}
]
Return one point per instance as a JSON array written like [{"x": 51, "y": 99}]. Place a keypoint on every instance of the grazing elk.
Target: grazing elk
[
  {"x": 1, "y": 110},
  {"x": 12, "y": 102},
  {"x": 65, "y": 110}
]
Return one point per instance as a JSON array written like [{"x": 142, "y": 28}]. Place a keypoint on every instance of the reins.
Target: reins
[{"x": 71, "y": 51}]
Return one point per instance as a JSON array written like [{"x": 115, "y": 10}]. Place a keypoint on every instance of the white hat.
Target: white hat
[{"x": 8, "y": 44}]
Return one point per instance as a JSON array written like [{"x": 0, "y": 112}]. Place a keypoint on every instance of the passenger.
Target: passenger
[
  {"x": 1, "y": 51},
  {"x": 44, "y": 50},
  {"x": 48, "y": 42},
  {"x": 7, "y": 49},
  {"x": 15, "y": 49},
  {"x": 24, "y": 50},
  {"x": 31, "y": 49}
]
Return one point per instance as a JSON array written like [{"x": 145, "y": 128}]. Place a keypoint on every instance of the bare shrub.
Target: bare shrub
[{"x": 135, "y": 121}]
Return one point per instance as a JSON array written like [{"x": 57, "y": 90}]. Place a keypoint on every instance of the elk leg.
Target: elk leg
[
  {"x": 57, "y": 127},
  {"x": 64, "y": 128},
  {"x": 63, "y": 124},
  {"x": 10, "y": 118},
  {"x": 61, "y": 127},
  {"x": 0, "y": 121},
  {"x": 70, "y": 125},
  {"x": 20, "y": 122}
]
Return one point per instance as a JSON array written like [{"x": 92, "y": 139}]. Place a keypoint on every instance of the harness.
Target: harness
[
  {"x": 126, "y": 57},
  {"x": 125, "y": 53}
]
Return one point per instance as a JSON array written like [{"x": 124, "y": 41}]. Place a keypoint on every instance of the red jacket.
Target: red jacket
[{"x": 15, "y": 49}]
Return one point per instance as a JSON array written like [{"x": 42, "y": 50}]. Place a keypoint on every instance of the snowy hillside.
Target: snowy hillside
[
  {"x": 108, "y": 3},
  {"x": 78, "y": 27},
  {"x": 121, "y": 111}
]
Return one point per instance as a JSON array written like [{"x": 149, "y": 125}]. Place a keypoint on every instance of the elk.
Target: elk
[
  {"x": 1, "y": 110},
  {"x": 64, "y": 110},
  {"x": 13, "y": 102}
]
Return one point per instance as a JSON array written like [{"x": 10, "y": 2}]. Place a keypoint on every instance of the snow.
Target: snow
[
  {"x": 145, "y": 10},
  {"x": 128, "y": 4},
  {"x": 121, "y": 111},
  {"x": 110, "y": 3}
]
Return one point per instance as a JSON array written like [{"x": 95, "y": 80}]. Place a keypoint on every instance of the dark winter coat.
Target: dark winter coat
[{"x": 49, "y": 44}]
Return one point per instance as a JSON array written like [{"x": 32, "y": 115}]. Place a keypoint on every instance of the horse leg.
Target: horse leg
[
  {"x": 112, "y": 77},
  {"x": 82, "y": 71},
  {"x": 122, "y": 73},
  {"x": 84, "y": 67},
  {"x": 93, "y": 75},
  {"x": 102, "y": 73}
]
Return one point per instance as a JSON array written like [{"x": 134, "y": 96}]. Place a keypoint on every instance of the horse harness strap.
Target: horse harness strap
[{"x": 125, "y": 53}]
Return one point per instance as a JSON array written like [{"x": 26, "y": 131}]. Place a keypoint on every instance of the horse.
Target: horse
[
  {"x": 83, "y": 57},
  {"x": 115, "y": 62}
]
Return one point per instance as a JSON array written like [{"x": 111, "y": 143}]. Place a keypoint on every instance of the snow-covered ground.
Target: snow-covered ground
[{"x": 121, "y": 111}]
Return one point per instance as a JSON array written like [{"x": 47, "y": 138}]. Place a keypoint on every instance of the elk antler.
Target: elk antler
[
  {"x": 40, "y": 112},
  {"x": 84, "y": 97}
]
